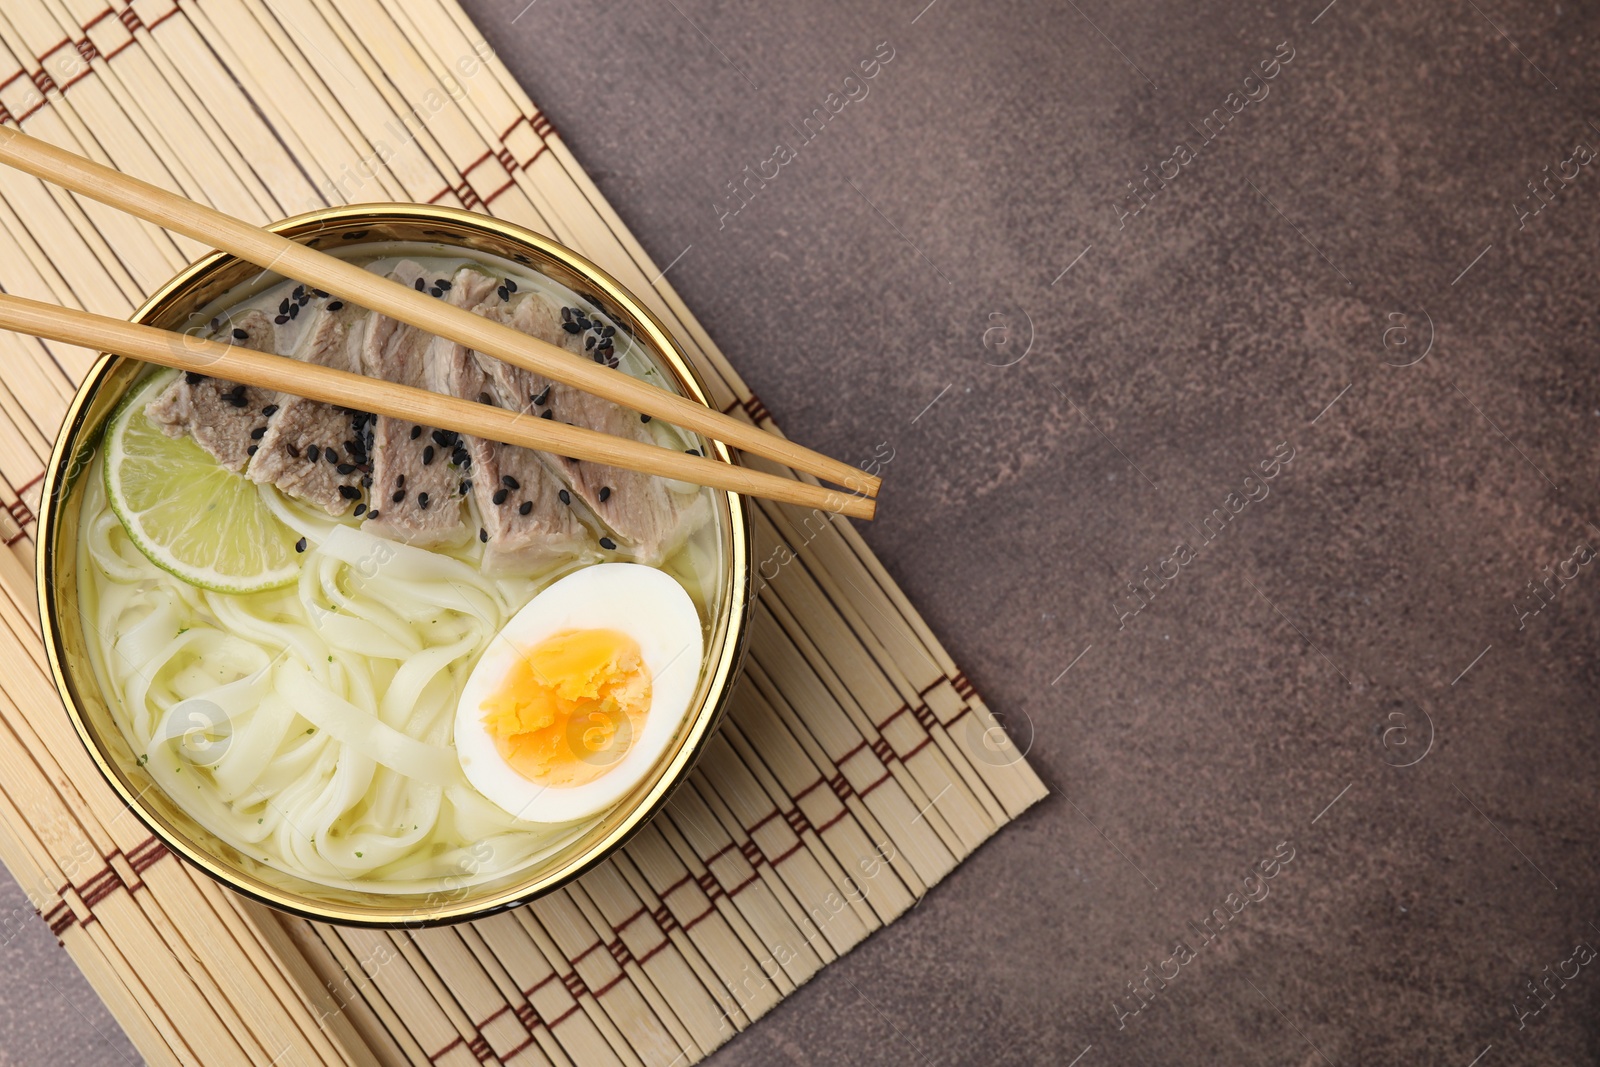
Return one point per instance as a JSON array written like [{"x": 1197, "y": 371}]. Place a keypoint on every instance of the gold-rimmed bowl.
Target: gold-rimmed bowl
[{"x": 180, "y": 305}]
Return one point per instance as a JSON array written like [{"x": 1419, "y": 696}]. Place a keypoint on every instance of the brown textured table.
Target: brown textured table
[{"x": 1343, "y": 663}]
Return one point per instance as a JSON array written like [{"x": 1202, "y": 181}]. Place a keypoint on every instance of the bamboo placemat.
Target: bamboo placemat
[{"x": 856, "y": 768}]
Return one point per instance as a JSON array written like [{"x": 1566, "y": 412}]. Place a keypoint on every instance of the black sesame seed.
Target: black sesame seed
[
  {"x": 373, "y": 515},
  {"x": 511, "y": 285},
  {"x": 416, "y": 432},
  {"x": 300, "y": 545},
  {"x": 258, "y": 433},
  {"x": 283, "y": 307},
  {"x": 485, "y": 398},
  {"x": 270, "y": 410},
  {"x": 465, "y": 487},
  {"x": 462, "y": 457},
  {"x": 293, "y": 451},
  {"x": 583, "y": 321},
  {"x": 299, "y": 291},
  {"x": 527, "y": 506},
  {"x": 503, "y": 293},
  {"x": 313, "y": 453},
  {"x": 400, "y": 481},
  {"x": 280, "y": 319},
  {"x": 366, "y": 481},
  {"x": 427, "y": 456},
  {"x": 566, "y": 314},
  {"x": 421, "y": 285},
  {"x": 548, "y": 414},
  {"x": 588, "y": 343},
  {"x": 500, "y": 496},
  {"x": 605, "y": 493},
  {"x": 609, "y": 331},
  {"x": 566, "y": 497},
  {"x": 422, "y": 501},
  {"x": 644, "y": 418},
  {"x": 294, "y": 311},
  {"x": 237, "y": 391},
  {"x": 349, "y": 492},
  {"x": 399, "y": 495},
  {"x": 483, "y": 535},
  {"x": 335, "y": 305},
  {"x": 192, "y": 378},
  {"x": 542, "y": 397},
  {"x": 329, "y": 454},
  {"x": 252, "y": 450},
  {"x": 510, "y": 482},
  {"x": 436, "y": 291},
  {"x": 346, "y": 468},
  {"x": 572, "y": 327},
  {"x": 361, "y": 509},
  {"x": 443, "y": 283},
  {"x": 692, "y": 451},
  {"x": 607, "y": 544},
  {"x": 441, "y": 438},
  {"x": 320, "y": 294},
  {"x": 240, "y": 335}
]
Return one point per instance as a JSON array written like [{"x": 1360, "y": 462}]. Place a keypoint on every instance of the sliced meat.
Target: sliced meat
[
  {"x": 644, "y": 513},
  {"x": 312, "y": 450},
  {"x": 416, "y": 485},
  {"x": 224, "y": 418},
  {"x": 525, "y": 523}
]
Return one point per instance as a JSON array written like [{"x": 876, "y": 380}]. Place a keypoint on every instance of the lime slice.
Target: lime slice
[{"x": 188, "y": 513}]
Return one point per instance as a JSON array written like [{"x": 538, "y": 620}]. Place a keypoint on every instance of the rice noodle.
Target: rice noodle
[{"x": 310, "y": 727}]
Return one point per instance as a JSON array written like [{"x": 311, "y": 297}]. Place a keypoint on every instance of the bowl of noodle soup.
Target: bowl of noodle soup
[{"x": 298, "y": 743}]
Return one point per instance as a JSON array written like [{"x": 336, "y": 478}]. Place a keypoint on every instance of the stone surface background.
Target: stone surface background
[{"x": 1352, "y": 669}]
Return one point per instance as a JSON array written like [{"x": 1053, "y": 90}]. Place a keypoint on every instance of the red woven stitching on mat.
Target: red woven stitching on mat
[
  {"x": 442, "y": 1051},
  {"x": 708, "y": 885},
  {"x": 752, "y": 853},
  {"x": 528, "y": 1016},
  {"x": 546, "y": 980},
  {"x": 559, "y": 1019},
  {"x": 874, "y": 785},
  {"x": 804, "y": 792},
  {"x": 786, "y": 854},
  {"x": 99, "y": 887},
  {"x": 901, "y": 710},
  {"x": 585, "y": 953},
  {"x": 964, "y": 688},
  {"x": 619, "y": 952},
  {"x": 147, "y": 855},
  {"x": 840, "y": 787},
  {"x": 825, "y": 826},
  {"x": 664, "y": 919},
  {"x": 703, "y": 915},
  {"x": 646, "y": 957},
  {"x": 756, "y": 409},
  {"x": 881, "y": 749},
  {"x": 797, "y": 820},
  {"x": 926, "y": 717},
  {"x": 574, "y": 983},
  {"x": 130, "y": 20},
  {"x": 87, "y": 50},
  {"x": 480, "y": 1048},
  {"x": 511, "y": 1053}
]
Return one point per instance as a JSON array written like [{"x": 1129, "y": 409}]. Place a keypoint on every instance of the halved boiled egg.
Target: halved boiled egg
[{"x": 577, "y": 697}]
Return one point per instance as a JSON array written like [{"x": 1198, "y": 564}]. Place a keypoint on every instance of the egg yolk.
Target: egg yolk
[{"x": 570, "y": 707}]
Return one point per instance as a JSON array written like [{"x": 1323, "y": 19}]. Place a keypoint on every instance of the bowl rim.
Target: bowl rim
[{"x": 737, "y": 542}]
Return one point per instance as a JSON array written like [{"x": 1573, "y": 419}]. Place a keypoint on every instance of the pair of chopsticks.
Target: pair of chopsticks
[{"x": 360, "y": 393}]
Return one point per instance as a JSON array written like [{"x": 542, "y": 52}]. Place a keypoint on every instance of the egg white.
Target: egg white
[{"x": 642, "y": 602}]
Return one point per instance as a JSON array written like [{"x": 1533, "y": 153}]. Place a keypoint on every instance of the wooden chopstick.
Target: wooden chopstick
[
  {"x": 350, "y": 282},
  {"x": 359, "y": 393}
]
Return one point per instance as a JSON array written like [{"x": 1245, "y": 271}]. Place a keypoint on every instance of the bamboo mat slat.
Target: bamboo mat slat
[{"x": 857, "y": 765}]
